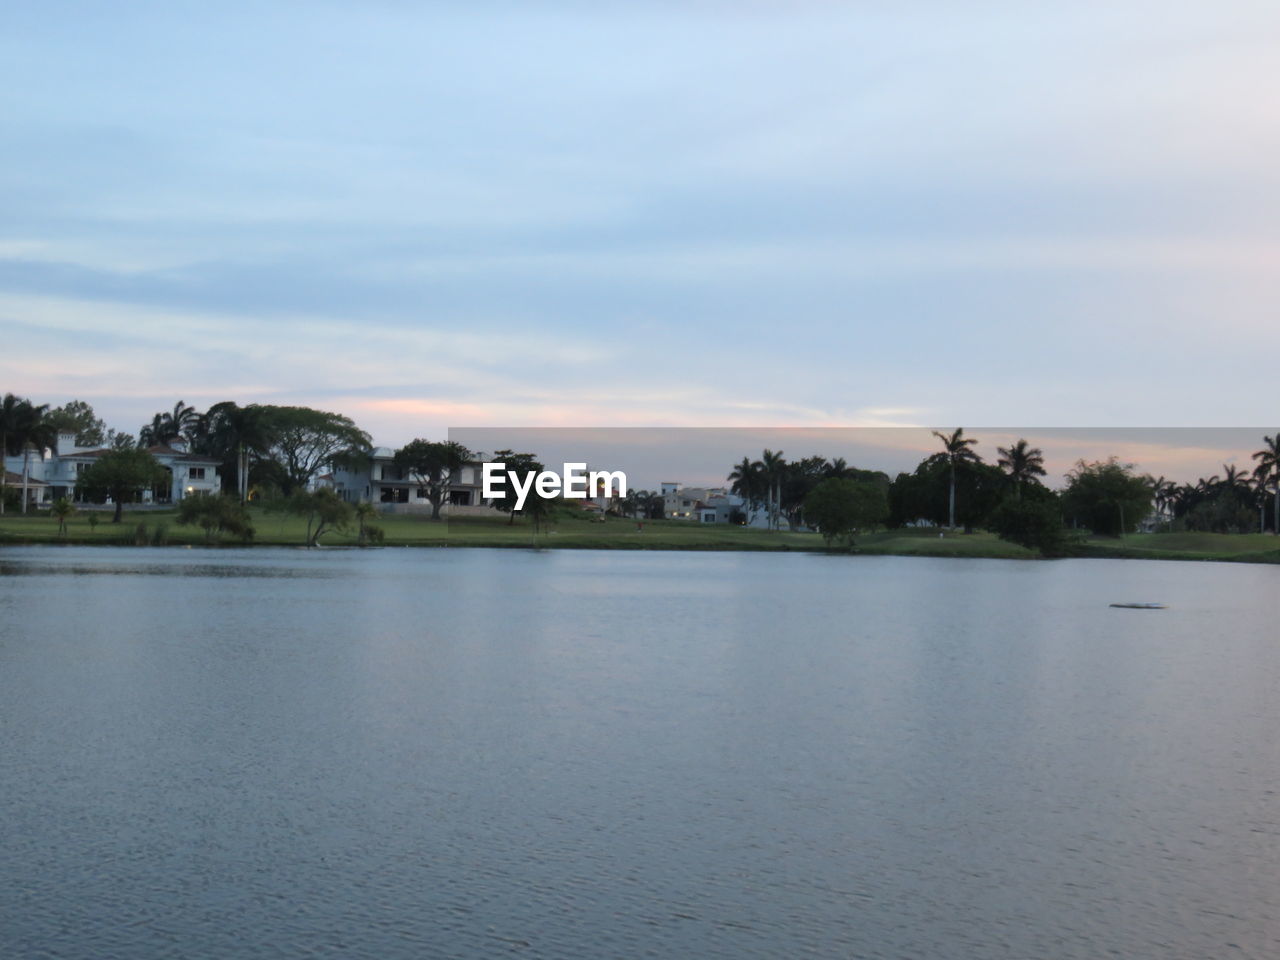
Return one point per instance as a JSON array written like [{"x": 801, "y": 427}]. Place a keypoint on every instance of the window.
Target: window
[{"x": 196, "y": 473}]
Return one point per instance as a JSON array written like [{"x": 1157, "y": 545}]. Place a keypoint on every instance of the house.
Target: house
[
  {"x": 53, "y": 473},
  {"x": 380, "y": 480},
  {"x": 37, "y": 493},
  {"x": 700, "y": 504}
]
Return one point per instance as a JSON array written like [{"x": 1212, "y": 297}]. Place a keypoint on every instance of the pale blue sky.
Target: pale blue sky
[{"x": 645, "y": 213}]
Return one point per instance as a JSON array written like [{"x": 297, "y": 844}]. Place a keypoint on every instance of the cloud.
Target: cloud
[{"x": 713, "y": 213}]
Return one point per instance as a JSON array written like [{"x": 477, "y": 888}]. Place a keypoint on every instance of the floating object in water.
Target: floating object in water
[{"x": 1140, "y": 606}]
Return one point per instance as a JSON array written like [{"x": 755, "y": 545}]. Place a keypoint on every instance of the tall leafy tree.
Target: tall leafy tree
[
  {"x": 523, "y": 466},
  {"x": 1107, "y": 496},
  {"x": 236, "y": 435},
  {"x": 1268, "y": 471},
  {"x": 303, "y": 440},
  {"x": 77, "y": 416},
  {"x": 121, "y": 475},
  {"x": 958, "y": 450},
  {"x": 432, "y": 465},
  {"x": 1022, "y": 463},
  {"x": 839, "y": 507}
]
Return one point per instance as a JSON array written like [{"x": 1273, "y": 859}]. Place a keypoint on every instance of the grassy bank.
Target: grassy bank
[{"x": 160, "y": 528}]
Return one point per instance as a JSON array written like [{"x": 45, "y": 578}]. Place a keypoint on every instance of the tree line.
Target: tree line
[{"x": 954, "y": 487}]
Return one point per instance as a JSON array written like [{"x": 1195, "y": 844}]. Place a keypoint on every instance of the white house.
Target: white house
[
  {"x": 701, "y": 504},
  {"x": 381, "y": 481},
  {"x": 53, "y": 473}
]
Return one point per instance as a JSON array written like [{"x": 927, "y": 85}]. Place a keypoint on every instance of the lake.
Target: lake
[{"x": 407, "y": 753}]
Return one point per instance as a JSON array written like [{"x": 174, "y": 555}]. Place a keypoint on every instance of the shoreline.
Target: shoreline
[{"x": 158, "y": 530}]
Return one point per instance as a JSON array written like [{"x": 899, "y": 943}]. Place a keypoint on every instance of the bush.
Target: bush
[
  {"x": 839, "y": 507},
  {"x": 1034, "y": 524},
  {"x": 215, "y": 514}
]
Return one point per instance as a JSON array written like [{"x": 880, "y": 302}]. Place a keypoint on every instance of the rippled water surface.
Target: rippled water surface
[{"x": 473, "y": 753}]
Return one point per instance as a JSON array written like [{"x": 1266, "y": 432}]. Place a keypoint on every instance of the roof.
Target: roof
[
  {"x": 15, "y": 480},
  {"x": 163, "y": 450}
]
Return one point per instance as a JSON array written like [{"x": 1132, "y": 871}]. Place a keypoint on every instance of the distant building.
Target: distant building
[
  {"x": 383, "y": 482},
  {"x": 53, "y": 473},
  {"x": 700, "y": 504}
]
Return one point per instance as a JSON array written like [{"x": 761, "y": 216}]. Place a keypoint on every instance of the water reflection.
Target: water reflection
[{"x": 408, "y": 753}]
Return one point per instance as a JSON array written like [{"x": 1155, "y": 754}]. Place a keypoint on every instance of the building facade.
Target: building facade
[{"x": 53, "y": 473}]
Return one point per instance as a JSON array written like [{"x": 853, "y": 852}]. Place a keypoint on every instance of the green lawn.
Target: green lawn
[{"x": 570, "y": 531}]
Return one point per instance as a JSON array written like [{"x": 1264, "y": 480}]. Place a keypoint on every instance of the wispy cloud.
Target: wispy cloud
[{"x": 717, "y": 213}]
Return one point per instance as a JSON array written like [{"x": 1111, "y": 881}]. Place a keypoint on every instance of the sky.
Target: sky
[
  {"x": 704, "y": 456},
  {"x": 700, "y": 214}
]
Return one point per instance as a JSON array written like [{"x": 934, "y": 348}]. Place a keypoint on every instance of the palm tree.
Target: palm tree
[
  {"x": 239, "y": 431},
  {"x": 748, "y": 482},
  {"x": 1268, "y": 470},
  {"x": 1234, "y": 483},
  {"x": 836, "y": 468},
  {"x": 35, "y": 432},
  {"x": 1022, "y": 462},
  {"x": 956, "y": 448},
  {"x": 166, "y": 427},
  {"x": 1164, "y": 493},
  {"x": 155, "y": 433},
  {"x": 62, "y": 508},
  {"x": 365, "y": 513},
  {"x": 10, "y": 427},
  {"x": 774, "y": 468}
]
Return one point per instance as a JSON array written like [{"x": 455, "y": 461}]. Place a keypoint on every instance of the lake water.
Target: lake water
[{"x": 472, "y": 753}]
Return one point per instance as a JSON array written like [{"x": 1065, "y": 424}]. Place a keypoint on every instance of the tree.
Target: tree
[
  {"x": 1022, "y": 463},
  {"x": 323, "y": 509},
  {"x": 303, "y": 440},
  {"x": 839, "y": 507},
  {"x": 522, "y": 466},
  {"x": 121, "y": 475},
  {"x": 940, "y": 494},
  {"x": 216, "y": 514},
  {"x": 235, "y": 434},
  {"x": 77, "y": 416},
  {"x": 773, "y": 468},
  {"x": 181, "y": 422},
  {"x": 1268, "y": 470},
  {"x": 432, "y": 464},
  {"x": 748, "y": 481},
  {"x": 957, "y": 450},
  {"x": 1163, "y": 493},
  {"x": 11, "y": 413},
  {"x": 1034, "y": 524},
  {"x": 369, "y": 532},
  {"x": 62, "y": 509},
  {"x": 34, "y": 433},
  {"x": 1106, "y": 496}
]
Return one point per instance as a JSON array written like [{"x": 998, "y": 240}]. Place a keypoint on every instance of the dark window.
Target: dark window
[{"x": 196, "y": 473}]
